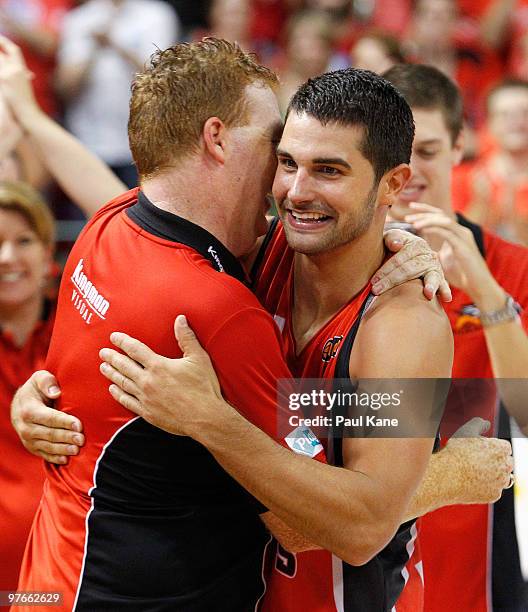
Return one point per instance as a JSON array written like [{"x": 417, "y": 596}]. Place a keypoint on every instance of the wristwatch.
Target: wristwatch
[{"x": 509, "y": 312}]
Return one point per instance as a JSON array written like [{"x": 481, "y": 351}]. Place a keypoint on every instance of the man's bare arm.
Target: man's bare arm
[
  {"x": 282, "y": 481},
  {"x": 507, "y": 342},
  {"x": 469, "y": 470}
]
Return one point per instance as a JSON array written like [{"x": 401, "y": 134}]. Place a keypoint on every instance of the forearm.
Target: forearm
[
  {"x": 287, "y": 537},
  {"x": 508, "y": 350},
  {"x": 336, "y": 508},
  {"x": 40, "y": 41},
  {"x": 32, "y": 168},
  {"x": 84, "y": 177},
  {"x": 507, "y": 345}
]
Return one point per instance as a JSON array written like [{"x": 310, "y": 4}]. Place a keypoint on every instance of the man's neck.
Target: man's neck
[
  {"x": 324, "y": 283},
  {"x": 193, "y": 200}
]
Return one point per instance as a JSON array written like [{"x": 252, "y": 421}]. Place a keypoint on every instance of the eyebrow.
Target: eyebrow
[{"x": 331, "y": 161}]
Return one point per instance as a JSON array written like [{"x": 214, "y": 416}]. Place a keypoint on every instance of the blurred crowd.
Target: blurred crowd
[{"x": 83, "y": 56}]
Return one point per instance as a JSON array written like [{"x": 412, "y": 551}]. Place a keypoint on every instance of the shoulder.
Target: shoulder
[
  {"x": 220, "y": 299},
  {"x": 403, "y": 334},
  {"x": 406, "y": 305}
]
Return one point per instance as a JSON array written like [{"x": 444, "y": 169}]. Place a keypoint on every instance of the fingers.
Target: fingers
[
  {"x": 9, "y": 48},
  {"x": 473, "y": 428},
  {"x": 39, "y": 414},
  {"x": 186, "y": 338},
  {"x": 445, "y": 291},
  {"x": 62, "y": 438},
  {"x": 56, "y": 459},
  {"x": 135, "y": 349},
  {"x": 56, "y": 450},
  {"x": 422, "y": 207},
  {"x": 395, "y": 239},
  {"x": 127, "y": 401},
  {"x": 405, "y": 268},
  {"x": 118, "y": 378},
  {"x": 431, "y": 282},
  {"x": 127, "y": 367},
  {"x": 423, "y": 221},
  {"x": 46, "y": 383},
  {"x": 434, "y": 283}
]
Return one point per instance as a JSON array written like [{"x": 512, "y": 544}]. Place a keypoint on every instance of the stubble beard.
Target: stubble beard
[{"x": 354, "y": 227}]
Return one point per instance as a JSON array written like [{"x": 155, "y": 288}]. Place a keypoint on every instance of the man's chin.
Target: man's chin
[{"x": 303, "y": 244}]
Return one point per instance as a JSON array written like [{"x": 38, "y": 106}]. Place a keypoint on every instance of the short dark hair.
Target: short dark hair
[
  {"x": 428, "y": 88},
  {"x": 360, "y": 97},
  {"x": 509, "y": 83}
]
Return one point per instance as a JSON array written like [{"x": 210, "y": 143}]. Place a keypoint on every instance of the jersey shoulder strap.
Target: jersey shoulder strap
[
  {"x": 343, "y": 359},
  {"x": 263, "y": 248}
]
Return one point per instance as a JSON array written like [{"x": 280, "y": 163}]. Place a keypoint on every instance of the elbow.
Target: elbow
[{"x": 361, "y": 545}]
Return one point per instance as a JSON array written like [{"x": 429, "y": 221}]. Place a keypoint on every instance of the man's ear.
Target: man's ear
[
  {"x": 214, "y": 138},
  {"x": 458, "y": 148},
  {"x": 392, "y": 184}
]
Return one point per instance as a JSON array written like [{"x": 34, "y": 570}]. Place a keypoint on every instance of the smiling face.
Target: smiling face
[
  {"x": 24, "y": 260},
  {"x": 432, "y": 160},
  {"x": 324, "y": 187}
]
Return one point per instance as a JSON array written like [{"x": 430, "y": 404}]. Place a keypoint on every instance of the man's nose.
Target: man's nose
[{"x": 301, "y": 189}]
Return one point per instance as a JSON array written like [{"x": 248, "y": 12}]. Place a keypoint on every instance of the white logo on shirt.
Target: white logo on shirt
[
  {"x": 303, "y": 441},
  {"x": 214, "y": 255},
  {"x": 86, "y": 297}
]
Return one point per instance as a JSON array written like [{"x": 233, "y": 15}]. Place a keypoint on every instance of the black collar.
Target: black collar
[
  {"x": 164, "y": 224},
  {"x": 476, "y": 230}
]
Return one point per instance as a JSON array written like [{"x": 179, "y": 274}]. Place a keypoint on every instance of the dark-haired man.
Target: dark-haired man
[
  {"x": 489, "y": 319},
  {"x": 342, "y": 163}
]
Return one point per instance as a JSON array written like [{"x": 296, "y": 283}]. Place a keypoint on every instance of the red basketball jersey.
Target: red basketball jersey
[{"x": 317, "y": 580}]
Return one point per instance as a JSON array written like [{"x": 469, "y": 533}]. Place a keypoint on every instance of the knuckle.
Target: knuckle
[
  {"x": 25, "y": 413},
  {"x": 156, "y": 367},
  {"x": 122, "y": 382}
]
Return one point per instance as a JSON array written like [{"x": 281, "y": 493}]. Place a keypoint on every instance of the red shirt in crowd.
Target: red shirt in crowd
[
  {"x": 455, "y": 541},
  {"x": 21, "y": 474}
]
